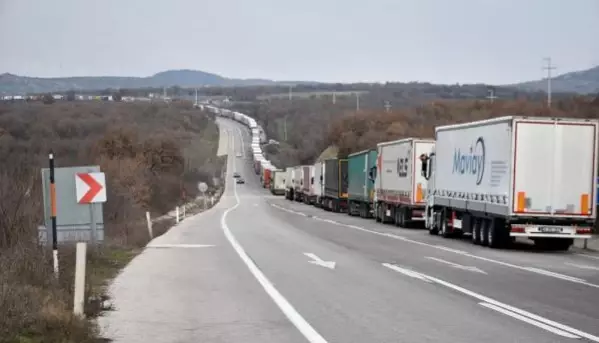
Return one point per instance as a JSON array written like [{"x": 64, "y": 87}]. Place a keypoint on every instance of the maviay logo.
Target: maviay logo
[{"x": 471, "y": 162}]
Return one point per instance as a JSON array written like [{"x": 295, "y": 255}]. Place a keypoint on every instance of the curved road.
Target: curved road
[{"x": 259, "y": 268}]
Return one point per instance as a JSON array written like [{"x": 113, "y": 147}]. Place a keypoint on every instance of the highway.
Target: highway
[{"x": 259, "y": 268}]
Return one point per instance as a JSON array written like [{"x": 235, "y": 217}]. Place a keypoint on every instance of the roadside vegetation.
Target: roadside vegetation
[{"x": 153, "y": 156}]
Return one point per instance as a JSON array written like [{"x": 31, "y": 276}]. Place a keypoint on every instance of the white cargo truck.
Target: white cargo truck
[
  {"x": 298, "y": 183},
  {"x": 277, "y": 184},
  {"x": 319, "y": 172},
  {"x": 289, "y": 183},
  {"x": 307, "y": 184},
  {"x": 513, "y": 177},
  {"x": 400, "y": 187}
]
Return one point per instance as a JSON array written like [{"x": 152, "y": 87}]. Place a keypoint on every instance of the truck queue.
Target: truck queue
[{"x": 494, "y": 180}]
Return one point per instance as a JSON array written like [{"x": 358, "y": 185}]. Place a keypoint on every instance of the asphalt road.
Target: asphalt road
[{"x": 280, "y": 271}]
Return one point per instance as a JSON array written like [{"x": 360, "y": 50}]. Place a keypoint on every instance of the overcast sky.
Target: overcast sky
[{"x": 445, "y": 41}]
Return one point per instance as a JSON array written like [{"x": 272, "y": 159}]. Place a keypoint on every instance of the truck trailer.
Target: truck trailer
[
  {"x": 289, "y": 188},
  {"x": 319, "y": 174},
  {"x": 277, "y": 182},
  {"x": 298, "y": 183},
  {"x": 308, "y": 184},
  {"x": 266, "y": 178},
  {"x": 399, "y": 186},
  {"x": 335, "y": 185},
  {"x": 511, "y": 177},
  {"x": 361, "y": 168}
]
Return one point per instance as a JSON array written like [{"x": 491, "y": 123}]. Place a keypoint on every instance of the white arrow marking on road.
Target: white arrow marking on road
[
  {"x": 459, "y": 266},
  {"x": 407, "y": 272},
  {"x": 180, "y": 246},
  {"x": 318, "y": 261},
  {"x": 582, "y": 266}
]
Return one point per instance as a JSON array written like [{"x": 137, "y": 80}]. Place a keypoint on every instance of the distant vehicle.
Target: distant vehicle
[
  {"x": 240, "y": 180},
  {"x": 236, "y": 175}
]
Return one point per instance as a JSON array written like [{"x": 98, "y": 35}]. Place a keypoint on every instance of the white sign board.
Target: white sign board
[{"x": 90, "y": 188}]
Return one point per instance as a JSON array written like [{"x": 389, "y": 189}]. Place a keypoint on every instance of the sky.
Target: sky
[{"x": 439, "y": 41}]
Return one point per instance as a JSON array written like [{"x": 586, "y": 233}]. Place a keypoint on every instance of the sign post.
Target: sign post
[
  {"x": 90, "y": 189},
  {"x": 53, "y": 214},
  {"x": 203, "y": 187},
  {"x": 73, "y": 206}
]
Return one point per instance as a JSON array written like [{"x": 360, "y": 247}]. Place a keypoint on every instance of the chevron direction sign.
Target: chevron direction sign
[{"x": 90, "y": 188}]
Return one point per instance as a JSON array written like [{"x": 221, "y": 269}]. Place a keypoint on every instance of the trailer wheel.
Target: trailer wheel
[
  {"x": 377, "y": 213},
  {"x": 400, "y": 217},
  {"x": 476, "y": 230},
  {"x": 445, "y": 232},
  {"x": 497, "y": 234},
  {"x": 349, "y": 210},
  {"x": 334, "y": 206},
  {"x": 485, "y": 227}
]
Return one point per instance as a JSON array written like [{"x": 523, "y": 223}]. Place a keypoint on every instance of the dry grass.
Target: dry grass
[{"x": 150, "y": 153}]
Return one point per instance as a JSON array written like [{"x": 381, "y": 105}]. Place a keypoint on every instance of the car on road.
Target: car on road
[
  {"x": 236, "y": 175},
  {"x": 240, "y": 180}
]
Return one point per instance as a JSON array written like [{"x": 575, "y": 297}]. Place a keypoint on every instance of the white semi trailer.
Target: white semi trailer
[
  {"x": 289, "y": 183},
  {"x": 319, "y": 173},
  {"x": 513, "y": 177},
  {"x": 399, "y": 186}
]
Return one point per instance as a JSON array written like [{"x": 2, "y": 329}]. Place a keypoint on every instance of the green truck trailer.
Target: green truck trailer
[{"x": 361, "y": 175}]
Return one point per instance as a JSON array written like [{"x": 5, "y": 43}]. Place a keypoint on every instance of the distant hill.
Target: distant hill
[
  {"x": 14, "y": 84},
  {"x": 583, "y": 82}
]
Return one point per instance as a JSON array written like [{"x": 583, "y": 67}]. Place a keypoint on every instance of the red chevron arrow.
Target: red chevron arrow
[{"x": 94, "y": 188}]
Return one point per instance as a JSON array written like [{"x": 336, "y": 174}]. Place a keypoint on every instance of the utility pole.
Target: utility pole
[
  {"x": 285, "y": 128},
  {"x": 290, "y": 92},
  {"x": 334, "y": 97},
  {"x": 387, "y": 106},
  {"x": 491, "y": 95},
  {"x": 549, "y": 68},
  {"x": 196, "y": 96},
  {"x": 357, "y": 102}
]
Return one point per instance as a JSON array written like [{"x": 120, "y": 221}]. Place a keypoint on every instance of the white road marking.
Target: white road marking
[
  {"x": 555, "y": 275},
  {"x": 496, "y": 303},
  {"x": 319, "y": 262},
  {"x": 179, "y": 246},
  {"x": 582, "y": 266},
  {"x": 459, "y": 266},
  {"x": 290, "y": 312},
  {"x": 464, "y": 253},
  {"x": 407, "y": 272},
  {"x": 589, "y": 256},
  {"x": 529, "y": 321}
]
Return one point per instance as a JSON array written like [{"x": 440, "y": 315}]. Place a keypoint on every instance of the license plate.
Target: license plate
[{"x": 546, "y": 229}]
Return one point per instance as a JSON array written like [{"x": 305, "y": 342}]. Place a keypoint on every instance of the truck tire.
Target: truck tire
[
  {"x": 377, "y": 213},
  {"x": 485, "y": 227},
  {"x": 476, "y": 230},
  {"x": 400, "y": 217},
  {"x": 497, "y": 235},
  {"x": 445, "y": 232},
  {"x": 350, "y": 211},
  {"x": 334, "y": 206}
]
